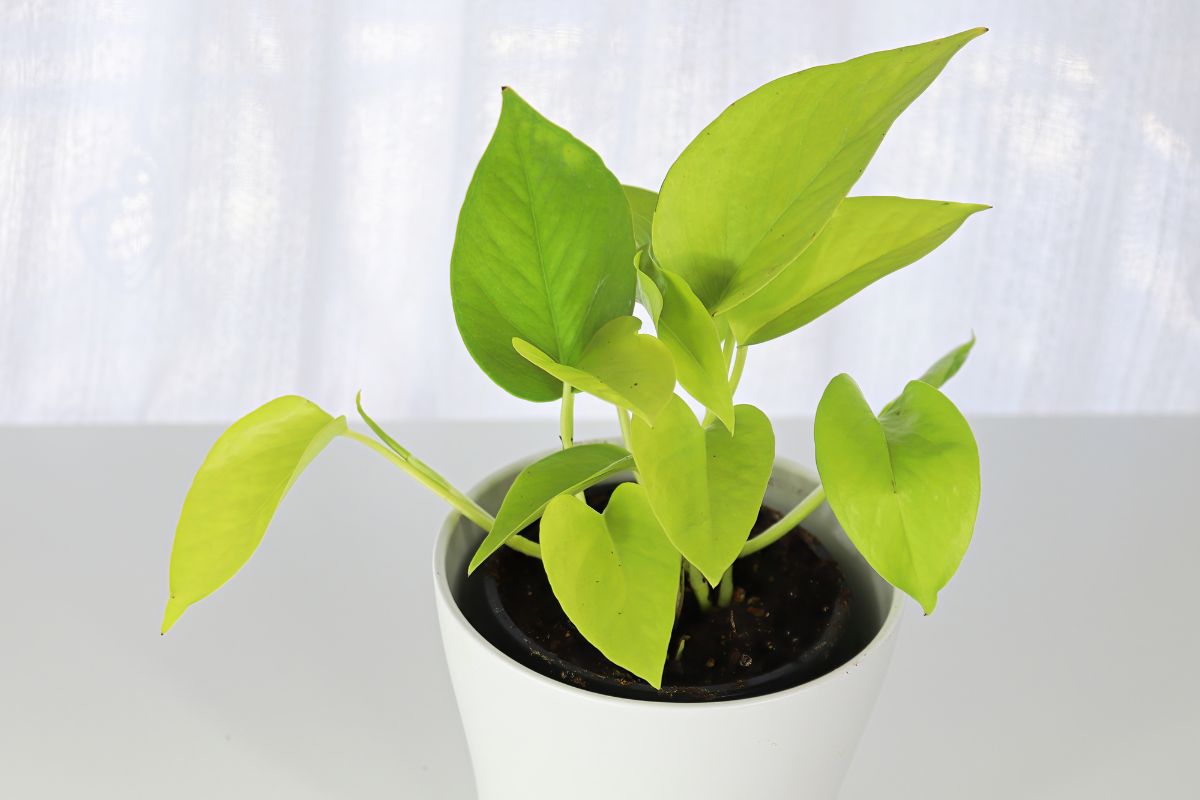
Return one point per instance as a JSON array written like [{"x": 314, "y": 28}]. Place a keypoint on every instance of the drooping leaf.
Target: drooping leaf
[
  {"x": 866, "y": 239},
  {"x": 641, "y": 210},
  {"x": 690, "y": 333},
  {"x": 544, "y": 251},
  {"x": 629, "y": 369},
  {"x": 705, "y": 485},
  {"x": 616, "y": 575},
  {"x": 904, "y": 485},
  {"x": 562, "y": 472},
  {"x": 236, "y": 491},
  {"x": 754, "y": 189}
]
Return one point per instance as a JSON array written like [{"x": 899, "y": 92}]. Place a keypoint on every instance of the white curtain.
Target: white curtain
[{"x": 204, "y": 205}]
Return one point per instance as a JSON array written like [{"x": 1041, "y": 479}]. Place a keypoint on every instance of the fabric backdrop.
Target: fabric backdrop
[{"x": 204, "y": 205}]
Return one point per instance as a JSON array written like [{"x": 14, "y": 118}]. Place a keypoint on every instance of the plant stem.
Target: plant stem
[
  {"x": 739, "y": 363},
  {"x": 623, "y": 418},
  {"x": 566, "y": 417},
  {"x": 699, "y": 588},
  {"x": 789, "y": 521},
  {"x": 431, "y": 480},
  {"x": 725, "y": 589}
]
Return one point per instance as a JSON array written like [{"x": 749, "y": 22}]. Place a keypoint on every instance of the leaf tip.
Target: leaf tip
[{"x": 172, "y": 614}]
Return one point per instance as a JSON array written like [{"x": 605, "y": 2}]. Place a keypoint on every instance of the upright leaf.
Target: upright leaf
[
  {"x": 619, "y": 365},
  {"x": 616, "y": 576},
  {"x": 235, "y": 494},
  {"x": 904, "y": 485},
  {"x": 866, "y": 239},
  {"x": 754, "y": 189},
  {"x": 705, "y": 485},
  {"x": 691, "y": 334},
  {"x": 641, "y": 211},
  {"x": 941, "y": 370},
  {"x": 543, "y": 253},
  {"x": 948, "y": 365},
  {"x": 562, "y": 472}
]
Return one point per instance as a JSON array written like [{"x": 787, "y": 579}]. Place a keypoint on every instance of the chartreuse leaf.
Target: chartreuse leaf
[
  {"x": 904, "y": 485},
  {"x": 619, "y": 365},
  {"x": 544, "y": 251},
  {"x": 690, "y": 333},
  {"x": 943, "y": 369},
  {"x": 235, "y": 494},
  {"x": 705, "y": 485},
  {"x": 616, "y": 575},
  {"x": 641, "y": 211},
  {"x": 866, "y": 239},
  {"x": 562, "y": 472},
  {"x": 754, "y": 189},
  {"x": 648, "y": 292},
  {"x": 948, "y": 365}
]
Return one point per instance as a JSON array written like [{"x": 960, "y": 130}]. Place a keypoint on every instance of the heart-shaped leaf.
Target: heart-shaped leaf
[
  {"x": 616, "y": 576},
  {"x": 562, "y": 472},
  {"x": 754, "y": 189},
  {"x": 544, "y": 251},
  {"x": 866, "y": 239},
  {"x": 628, "y": 369},
  {"x": 236, "y": 491},
  {"x": 705, "y": 485},
  {"x": 904, "y": 485},
  {"x": 690, "y": 333}
]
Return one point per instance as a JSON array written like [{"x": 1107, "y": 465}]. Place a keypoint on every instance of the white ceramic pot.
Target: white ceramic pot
[{"x": 534, "y": 738}]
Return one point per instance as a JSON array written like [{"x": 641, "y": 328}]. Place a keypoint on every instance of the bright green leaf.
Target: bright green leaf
[
  {"x": 235, "y": 494},
  {"x": 562, "y": 472},
  {"x": 544, "y": 251},
  {"x": 705, "y": 485},
  {"x": 689, "y": 332},
  {"x": 641, "y": 210},
  {"x": 648, "y": 292},
  {"x": 904, "y": 485},
  {"x": 756, "y": 187},
  {"x": 619, "y": 365},
  {"x": 866, "y": 239},
  {"x": 948, "y": 365},
  {"x": 616, "y": 576}
]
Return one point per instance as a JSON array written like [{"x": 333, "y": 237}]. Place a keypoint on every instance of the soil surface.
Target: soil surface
[{"x": 790, "y": 608}]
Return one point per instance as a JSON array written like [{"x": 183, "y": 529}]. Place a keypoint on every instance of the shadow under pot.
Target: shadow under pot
[{"x": 791, "y": 619}]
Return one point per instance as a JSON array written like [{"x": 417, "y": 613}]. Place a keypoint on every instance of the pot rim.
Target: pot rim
[{"x": 446, "y": 599}]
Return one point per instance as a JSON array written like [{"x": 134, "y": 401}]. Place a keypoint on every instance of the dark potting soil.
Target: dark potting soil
[{"x": 791, "y": 606}]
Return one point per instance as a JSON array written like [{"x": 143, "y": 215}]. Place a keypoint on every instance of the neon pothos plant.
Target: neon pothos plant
[{"x": 750, "y": 237}]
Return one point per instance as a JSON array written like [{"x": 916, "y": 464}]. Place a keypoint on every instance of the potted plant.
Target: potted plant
[{"x": 648, "y": 615}]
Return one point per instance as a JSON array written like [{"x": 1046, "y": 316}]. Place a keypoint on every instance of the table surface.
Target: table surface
[{"x": 1062, "y": 661}]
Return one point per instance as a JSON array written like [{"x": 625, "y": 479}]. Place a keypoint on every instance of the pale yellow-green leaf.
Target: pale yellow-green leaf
[
  {"x": 705, "y": 485},
  {"x": 756, "y": 186},
  {"x": 616, "y": 575},
  {"x": 236, "y": 491},
  {"x": 619, "y": 365},
  {"x": 866, "y": 239}
]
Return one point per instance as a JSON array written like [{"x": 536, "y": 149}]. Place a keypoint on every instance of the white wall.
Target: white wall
[{"x": 203, "y": 205}]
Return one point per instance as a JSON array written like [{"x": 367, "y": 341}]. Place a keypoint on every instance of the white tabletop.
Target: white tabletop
[{"x": 1062, "y": 661}]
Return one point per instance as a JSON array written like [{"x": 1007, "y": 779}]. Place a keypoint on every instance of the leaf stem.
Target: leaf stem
[
  {"x": 699, "y": 588},
  {"x": 566, "y": 417},
  {"x": 786, "y": 523},
  {"x": 739, "y": 363},
  {"x": 442, "y": 488},
  {"x": 626, "y": 433},
  {"x": 725, "y": 589}
]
